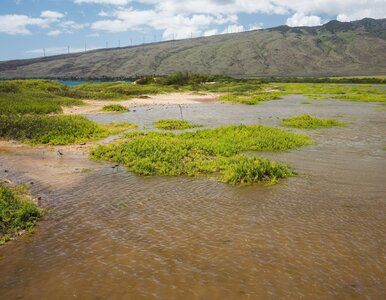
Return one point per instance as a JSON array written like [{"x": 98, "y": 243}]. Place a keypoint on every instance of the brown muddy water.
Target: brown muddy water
[{"x": 110, "y": 234}]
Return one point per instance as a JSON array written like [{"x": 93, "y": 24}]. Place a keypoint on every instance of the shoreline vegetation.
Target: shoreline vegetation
[
  {"x": 31, "y": 111},
  {"x": 19, "y": 212},
  {"x": 56, "y": 130}
]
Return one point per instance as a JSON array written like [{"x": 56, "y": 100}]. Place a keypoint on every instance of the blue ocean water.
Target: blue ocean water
[{"x": 77, "y": 82}]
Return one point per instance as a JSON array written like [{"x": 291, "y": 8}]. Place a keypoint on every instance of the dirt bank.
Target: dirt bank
[{"x": 95, "y": 106}]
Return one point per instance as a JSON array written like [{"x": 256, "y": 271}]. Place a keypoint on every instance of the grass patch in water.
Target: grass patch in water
[
  {"x": 250, "y": 100},
  {"x": 169, "y": 124},
  {"x": 215, "y": 152},
  {"x": 17, "y": 211},
  {"x": 253, "y": 92},
  {"x": 115, "y": 108},
  {"x": 55, "y": 130},
  {"x": 362, "y": 97},
  {"x": 345, "y": 92},
  {"x": 310, "y": 122}
]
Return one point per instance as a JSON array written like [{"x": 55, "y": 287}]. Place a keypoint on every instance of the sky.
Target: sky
[{"x": 34, "y": 28}]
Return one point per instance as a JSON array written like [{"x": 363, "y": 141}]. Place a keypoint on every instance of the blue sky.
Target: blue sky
[{"x": 28, "y": 26}]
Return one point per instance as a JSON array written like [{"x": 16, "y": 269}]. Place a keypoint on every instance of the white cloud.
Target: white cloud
[
  {"x": 69, "y": 25},
  {"x": 178, "y": 26},
  {"x": 54, "y": 33},
  {"x": 210, "y": 32},
  {"x": 49, "y": 14},
  {"x": 95, "y": 34},
  {"x": 197, "y": 17},
  {"x": 360, "y": 14},
  {"x": 18, "y": 24},
  {"x": 255, "y": 26},
  {"x": 234, "y": 28},
  {"x": 298, "y": 19},
  {"x": 373, "y": 8},
  {"x": 111, "y": 2}
]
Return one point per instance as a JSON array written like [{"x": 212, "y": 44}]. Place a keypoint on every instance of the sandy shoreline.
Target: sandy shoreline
[{"x": 95, "y": 106}]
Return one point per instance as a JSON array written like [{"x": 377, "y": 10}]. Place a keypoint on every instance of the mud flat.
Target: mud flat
[
  {"x": 95, "y": 106},
  {"x": 111, "y": 234}
]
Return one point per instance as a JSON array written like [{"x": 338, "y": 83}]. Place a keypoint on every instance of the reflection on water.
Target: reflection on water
[{"x": 112, "y": 234}]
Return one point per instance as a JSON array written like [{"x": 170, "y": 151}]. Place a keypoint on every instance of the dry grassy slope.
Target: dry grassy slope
[{"x": 356, "y": 48}]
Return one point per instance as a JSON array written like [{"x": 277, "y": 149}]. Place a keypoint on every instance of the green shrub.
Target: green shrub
[{"x": 310, "y": 122}]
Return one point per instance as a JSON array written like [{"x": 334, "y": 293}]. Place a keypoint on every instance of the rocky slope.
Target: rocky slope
[{"x": 336, "y": 48}]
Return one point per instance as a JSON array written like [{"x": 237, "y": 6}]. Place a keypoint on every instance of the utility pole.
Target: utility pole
[
  {"x": 182, "y": 116},
  {"x": 44, "y": 52}
]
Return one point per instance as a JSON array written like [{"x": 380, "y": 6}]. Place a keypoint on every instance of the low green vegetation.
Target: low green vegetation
[
  {"x": 35, "y": 96},
  {"x": 118, "y": 90},
  {"x": 55, "y": 130},
  {"x": 118, "y": 127},
  {"x": 43, "y": 96},
  {"x": 345, "y": 92},
  {"x": 253, "y": 91},
  {"x": 27, "y": 108},
  {"x": 251, "y": 100},
  {"x": 115, "y": 108},
  {"x": 17, "y": 211},
  {"x": 310, "y": 122},
  {"x": 169, "y": 124},
  {"x": 215, "y": 152}
]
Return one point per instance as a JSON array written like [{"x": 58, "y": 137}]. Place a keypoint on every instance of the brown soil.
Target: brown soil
[{"x": 95, "y": 106}]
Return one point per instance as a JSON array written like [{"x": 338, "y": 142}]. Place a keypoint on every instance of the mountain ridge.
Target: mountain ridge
[{"x": 335, "y": 48}]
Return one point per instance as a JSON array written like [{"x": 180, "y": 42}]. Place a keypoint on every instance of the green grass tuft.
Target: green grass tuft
[
  {"x": 17, "y": 212},
  {"x": 115, "y": 108},
  {"x": 251, "y": 99},
  {"x": 169, "y": 124},
  {"x": 310, "y": 122},
  {"x": 213, "y": 152}
]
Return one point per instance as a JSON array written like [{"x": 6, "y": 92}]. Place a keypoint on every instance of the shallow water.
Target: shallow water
[{"x": 112, "y": 234}]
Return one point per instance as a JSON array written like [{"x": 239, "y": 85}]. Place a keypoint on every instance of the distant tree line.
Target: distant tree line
[{"x": 186, "y": 78}]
